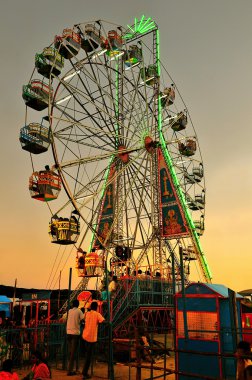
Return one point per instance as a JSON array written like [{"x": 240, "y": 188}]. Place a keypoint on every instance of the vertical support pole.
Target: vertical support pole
[
  {"x": 233, "y": 318},
  {"x": 13, "y": 300},
  {"x": 69, "y": 289},
  {"x": 138, "y": 355},
  {"x": 64, "y": 361},
  {"x": 59, "y": 290},
  {"x": 110, "y": 327},
  {"x": 183, "y": 292},
  {"x": 165, "y": 357},
  {"x": 174, "y": 308}
]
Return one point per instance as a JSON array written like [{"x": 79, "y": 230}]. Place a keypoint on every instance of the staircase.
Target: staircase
[
  {"x": 135, "y": 294},
  {"x": 81, "y": 286}
]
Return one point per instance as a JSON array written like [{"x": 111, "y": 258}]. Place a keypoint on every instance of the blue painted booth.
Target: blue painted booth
[
  {"x": 5, "y": 305},
  {"x": 208, "y": 322}
]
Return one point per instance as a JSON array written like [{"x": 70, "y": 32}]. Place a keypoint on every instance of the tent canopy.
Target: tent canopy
[
  {"x": 4, "y": 299},
  {"x": 5, "y": 305}
]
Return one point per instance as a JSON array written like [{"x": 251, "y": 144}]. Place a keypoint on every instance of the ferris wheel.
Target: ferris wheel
[{"x": 120, "y": 140}]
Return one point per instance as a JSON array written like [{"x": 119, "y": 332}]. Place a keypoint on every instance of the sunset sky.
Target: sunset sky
[{"x": 206, "y": 47}]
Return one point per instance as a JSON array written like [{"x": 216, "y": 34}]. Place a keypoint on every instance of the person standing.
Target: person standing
[
  {"x": 75, "y": 316},
  {"x": 90, "y": 332}
]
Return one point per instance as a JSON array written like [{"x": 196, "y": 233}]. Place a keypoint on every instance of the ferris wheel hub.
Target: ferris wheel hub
[
  {"x": 150, "y": 144},
  {"x": 122, "y": 154}
]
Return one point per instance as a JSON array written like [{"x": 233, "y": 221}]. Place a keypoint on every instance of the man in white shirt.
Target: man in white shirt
[{"x": 75, "y": 316}]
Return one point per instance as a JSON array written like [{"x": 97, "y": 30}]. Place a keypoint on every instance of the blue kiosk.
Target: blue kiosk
[
  {"x": 5, "y": 306},
  {"x": 208, "y": 326}
]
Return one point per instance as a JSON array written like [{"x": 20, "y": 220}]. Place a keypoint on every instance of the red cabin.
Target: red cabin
[
  {"x": 44, "y": 185},
  {"x": 68, "y": 44},
  {"x": 89, "y": 264},
  {"x": 115, "y": 40}
]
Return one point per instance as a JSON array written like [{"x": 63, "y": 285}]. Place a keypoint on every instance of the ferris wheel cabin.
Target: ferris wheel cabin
[
  {"x": 68, "y": 44},
  {"x": 189, "y": 148},
  {"x": 133, "y": 56},
  {"x": 44, "y": 185},
  {"x": 200, "y": 226},
  {"x": 188, "y": 253},
  {"x": 92, "y": 38},
  {"x": 123, "y": 254},
  {"x": 179, "y": 123},
  {"x": 198, "y": 203},
  {"x": 49, "y": 62},
  {"x": 35, "y": 138},
  {"x": 64, "y": 231},
  {"x": 36, "y": 94},
  {"x": 168, "y": 96},
  {"x": 196, "y": 175},
  {"x": 149, "y": 74},
  {"x": 90, "y": 264},
  {"x": 114, "y": 41}
]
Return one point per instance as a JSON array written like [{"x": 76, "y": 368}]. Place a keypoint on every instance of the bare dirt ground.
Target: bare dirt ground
[{"x": 121, "y": 371}]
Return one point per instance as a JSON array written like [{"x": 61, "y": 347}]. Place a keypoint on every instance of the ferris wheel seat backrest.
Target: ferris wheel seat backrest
[{"x": 94, "y": 34}]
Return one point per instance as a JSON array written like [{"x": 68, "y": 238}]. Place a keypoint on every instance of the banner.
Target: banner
[
  {"x": 107, "y": 210},
  {"x": 172, "y": 218}
]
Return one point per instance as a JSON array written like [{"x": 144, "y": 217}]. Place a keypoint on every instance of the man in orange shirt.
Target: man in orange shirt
[{"x": 90, "y": 332}]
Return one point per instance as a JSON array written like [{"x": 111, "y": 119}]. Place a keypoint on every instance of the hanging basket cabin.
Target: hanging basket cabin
[
  {"x": 44, "y": 185},
  {"x": 64, "y": 231},
  {"x": 35, "y": 138}
]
